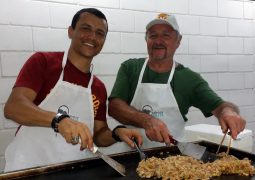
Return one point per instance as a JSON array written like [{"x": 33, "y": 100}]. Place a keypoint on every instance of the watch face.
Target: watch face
[{"x": 63, "y": 109}]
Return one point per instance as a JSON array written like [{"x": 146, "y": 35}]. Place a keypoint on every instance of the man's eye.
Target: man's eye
[
  {"x": 101, "y": 34},
  {"x": 152, "y": 36},
  {"x": 85, "y": 28},
  {"x": 167, "y": 35}
]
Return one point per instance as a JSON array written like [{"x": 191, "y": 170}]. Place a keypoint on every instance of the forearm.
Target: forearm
[
  {"x": 126, "y": 114},
  {"x": 103, "y": 137},
  {"x": 229, "y": 119},
  {"x": 29, "y": 115},
  {"x": 22, "y": 110},
  {"x": 226, "y": 108}
]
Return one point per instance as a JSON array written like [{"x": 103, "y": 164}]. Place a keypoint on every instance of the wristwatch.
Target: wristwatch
[
  {"x": 114, "y": 135},
  {"x": 56, "y": 120}
]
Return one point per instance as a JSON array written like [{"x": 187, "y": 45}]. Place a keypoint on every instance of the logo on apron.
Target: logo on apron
[
  {"x": 63, "y": 109},
  {"x": 149, "y": 110}
]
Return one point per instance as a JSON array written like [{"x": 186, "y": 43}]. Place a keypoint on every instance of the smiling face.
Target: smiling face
[
  {"x": 89, "y": 35},
  {"x": 162, "y": 42}
]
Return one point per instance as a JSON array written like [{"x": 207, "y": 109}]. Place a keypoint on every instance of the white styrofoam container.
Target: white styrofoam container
[{"x": 213, "y": 133}]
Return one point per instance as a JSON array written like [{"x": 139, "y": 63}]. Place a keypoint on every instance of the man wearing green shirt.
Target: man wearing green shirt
[{"x": 155, "y": 93}]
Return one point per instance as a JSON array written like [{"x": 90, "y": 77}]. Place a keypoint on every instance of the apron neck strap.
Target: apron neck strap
[
  {"x": 143, "y": 69},
  {"x": 64, "y": 60},
  {"x": 91, "y": 80},
  {"x": 171, "y": 73}
]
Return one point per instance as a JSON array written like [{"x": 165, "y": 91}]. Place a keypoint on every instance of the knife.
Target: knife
[
  {"x": 114, "y": 164},
  {"x": 190, "y": 149}
]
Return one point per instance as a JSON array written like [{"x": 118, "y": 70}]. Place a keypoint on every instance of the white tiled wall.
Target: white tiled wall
[{"x": 218, "y": 41}]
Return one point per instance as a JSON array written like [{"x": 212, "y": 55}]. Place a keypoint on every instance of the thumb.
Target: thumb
[{"x": 224, "y": 126}]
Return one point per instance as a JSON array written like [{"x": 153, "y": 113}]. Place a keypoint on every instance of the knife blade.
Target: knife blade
[
  {"x": 190, "y": 149},
  {"x": 114, "y": 164}
]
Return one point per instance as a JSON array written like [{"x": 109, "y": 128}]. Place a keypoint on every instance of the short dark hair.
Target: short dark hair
[{"x": 93, "y": 11}]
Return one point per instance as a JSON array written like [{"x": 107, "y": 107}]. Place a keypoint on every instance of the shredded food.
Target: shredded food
[{"x": 187, "y": 168}]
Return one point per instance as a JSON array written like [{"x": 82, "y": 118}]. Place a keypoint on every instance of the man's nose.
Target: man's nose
[
  {"x": 158, "y": 41},
  {"x": 159, "y": 38},
  {"x": 91, "y": 35}
]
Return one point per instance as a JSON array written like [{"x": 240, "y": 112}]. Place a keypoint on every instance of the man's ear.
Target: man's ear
[
  {"x": 70, "y": 32},
  {"x": 179, "y": 39}
]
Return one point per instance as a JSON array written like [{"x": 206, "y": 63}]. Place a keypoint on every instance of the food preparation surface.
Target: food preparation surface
[{"x": 97, "y": 169}]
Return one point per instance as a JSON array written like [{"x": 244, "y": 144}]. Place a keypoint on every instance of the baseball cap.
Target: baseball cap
[{"x": 164, "y": 18}]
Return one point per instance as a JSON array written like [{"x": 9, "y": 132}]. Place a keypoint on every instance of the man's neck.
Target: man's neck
[
  {"x": 80, "y": 62},
  {"x": 160, "y": 65}
]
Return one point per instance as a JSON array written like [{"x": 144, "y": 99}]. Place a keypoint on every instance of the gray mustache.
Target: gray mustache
[{"x": 158, "y": 47}]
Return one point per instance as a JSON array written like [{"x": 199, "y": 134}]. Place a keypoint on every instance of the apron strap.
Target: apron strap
[
  {"x": 91, "y": 76},
  {"x": 171, "y": 73},
  {"x": 91, "y": 80},
  {"x": 143, "y": 69},
  {"x": 64, "y": 60}
]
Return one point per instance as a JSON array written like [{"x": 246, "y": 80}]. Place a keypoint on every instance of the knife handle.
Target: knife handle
[{"x": 172, "y": 140}]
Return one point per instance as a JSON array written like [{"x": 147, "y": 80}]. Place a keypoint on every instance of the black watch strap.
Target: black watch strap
[
  {"x": 56, "y": 120},
  {"x": 114, "y": 135}
]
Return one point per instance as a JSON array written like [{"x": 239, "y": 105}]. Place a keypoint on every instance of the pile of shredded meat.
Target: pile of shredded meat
[{"x": 185, "y": 167}]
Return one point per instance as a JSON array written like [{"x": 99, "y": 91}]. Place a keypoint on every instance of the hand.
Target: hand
[
  {"x": 127, "y": 135},
  {"x": 156, "y": 130},
  {"x": 230, "y": 120},
  {"x": 70, "y": 128}
]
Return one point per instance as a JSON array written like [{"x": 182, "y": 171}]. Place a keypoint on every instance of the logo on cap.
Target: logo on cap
[{"x": 163, "y": 16}]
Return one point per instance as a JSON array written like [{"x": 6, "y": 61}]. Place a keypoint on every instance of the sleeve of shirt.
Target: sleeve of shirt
[
  {"x": 121, "y": 86},
  {"x": 205, "y": 98},
  {"x": 31, "y": 74},
  {"x": 99, "y": 98}
]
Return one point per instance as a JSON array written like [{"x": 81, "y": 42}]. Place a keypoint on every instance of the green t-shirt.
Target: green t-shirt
[{"x": 189, "y": 88}]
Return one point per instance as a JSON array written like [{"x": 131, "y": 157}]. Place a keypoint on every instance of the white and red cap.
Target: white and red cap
[{"x": 164, "y": 18}]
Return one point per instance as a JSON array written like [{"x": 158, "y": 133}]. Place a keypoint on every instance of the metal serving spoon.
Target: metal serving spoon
[{"x": 142, "y": 155}]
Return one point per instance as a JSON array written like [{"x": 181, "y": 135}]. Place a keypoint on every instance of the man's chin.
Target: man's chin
[
  {"x": 158, "y": 58},
  {"x": 158, "y": 55}
]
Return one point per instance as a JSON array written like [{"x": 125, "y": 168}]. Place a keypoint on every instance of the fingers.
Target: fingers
[
  {"x": 158, "y": 131},
  {"x": 75, "y": 140},
  {"x": 76, "y": 132},
  {"x": 224, "y": 127},
  {"x": 129, "y": 141},
  {"x": 237, "y": 127},
  {"x": 127, "y": 135},
  {"x": 138, "y": 137},
  {"x": 165, "y": 135},
  {"x": 86, "y": 138},
  {"x": 234, "y": 123}
]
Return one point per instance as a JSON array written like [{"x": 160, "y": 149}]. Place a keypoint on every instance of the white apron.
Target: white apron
[
  {"x": 158, "y": 100},
  {"x": 38, "y": 146}
]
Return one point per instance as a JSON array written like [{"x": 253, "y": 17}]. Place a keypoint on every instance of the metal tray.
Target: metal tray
[{"x": 97, "y": 169}]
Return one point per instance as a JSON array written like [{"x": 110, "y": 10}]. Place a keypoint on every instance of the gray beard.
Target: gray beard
[{"x": 159, "y": 58}]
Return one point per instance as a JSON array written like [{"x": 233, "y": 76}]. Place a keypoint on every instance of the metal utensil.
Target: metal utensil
[
  {"x": 141, "y": 153},
  {"x": 194, "y": 150},
  {"x": 222, "y": 140},
  {"x": 190, "y": 149},
  {"x": 114, "y": 164}
]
